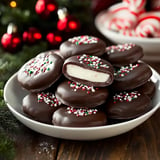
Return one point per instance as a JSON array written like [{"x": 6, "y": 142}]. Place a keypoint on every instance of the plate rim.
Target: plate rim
[{"x": 78, "y": 128}]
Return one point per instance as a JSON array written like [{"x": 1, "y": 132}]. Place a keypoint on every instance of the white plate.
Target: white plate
[
  {"x": 13, "y": 95},
  {"x": 151, "y": 46}
]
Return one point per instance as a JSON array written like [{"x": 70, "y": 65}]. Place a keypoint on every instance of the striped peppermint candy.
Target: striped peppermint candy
[
  {"x": 149, "y": 25},
  {"x": 128, "y": 32},
  {"x": 120, "y": 18},
  {"x": 136, "y": 6}
]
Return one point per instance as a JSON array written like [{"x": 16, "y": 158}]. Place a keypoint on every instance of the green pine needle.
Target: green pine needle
[{"x": 7, "y": 150}]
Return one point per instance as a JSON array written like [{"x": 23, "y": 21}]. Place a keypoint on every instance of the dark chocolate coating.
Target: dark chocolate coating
[
  {"x": 76, "y": 60},
  {"x": 148, "y": 88},
  {"x": 121, "y": 55},
  {"x": 39, "y": 111},
  {"x": 124, "y": 110},
  {"x": 68, "y": 49},
  {"x": 132, "y": 79},
  {"x": 81, "y": 96},
  {"x": 40, "y": 72},
  {"x": 62, "y": 118}
]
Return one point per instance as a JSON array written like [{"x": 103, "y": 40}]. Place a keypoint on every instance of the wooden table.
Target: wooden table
[{"x": 141, "y": 143}]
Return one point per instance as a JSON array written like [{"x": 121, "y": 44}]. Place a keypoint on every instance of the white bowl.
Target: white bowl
[
  {"x": 13, "y": 95},
  {"x": 151, "y": 46}
]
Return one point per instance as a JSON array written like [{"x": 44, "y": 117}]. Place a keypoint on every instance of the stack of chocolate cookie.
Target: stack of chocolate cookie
[
  {"x": 129, "y": 98},
  {"x": 85, "y": 83}
]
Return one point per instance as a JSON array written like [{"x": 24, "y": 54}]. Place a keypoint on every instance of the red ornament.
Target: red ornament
[
  {"x": 54, "y": 38},
  {"x": 67, "y": 22},
  {"x": 32, "y": 35},
  {"x": 11, "y": 41},
  {"x": 46, "y": 8}
]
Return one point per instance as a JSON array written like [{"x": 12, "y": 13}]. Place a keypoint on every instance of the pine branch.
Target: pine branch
[{"x": 7, "y": 151}]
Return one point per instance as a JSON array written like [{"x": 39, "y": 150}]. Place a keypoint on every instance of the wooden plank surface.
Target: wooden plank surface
[
  {"x": 142, "y": 143},
  {"x": 34, "y": 146}
]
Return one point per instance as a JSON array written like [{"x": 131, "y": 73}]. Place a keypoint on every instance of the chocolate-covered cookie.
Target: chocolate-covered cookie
[
  {"x": 127, "y": 105},
  {"x": 74, "y": 117},
  {"x": 80, "y": 95},
  {"x": 40, "y": 72},
  {"x": 123, "y": 54},
  {"x": 131, "y": 76},
  {"x": 40, "y": 106},
  {"x": 89, "y": 70},
  {"x": 82, "y": 44},
  {"x": 148, "y": 88}
]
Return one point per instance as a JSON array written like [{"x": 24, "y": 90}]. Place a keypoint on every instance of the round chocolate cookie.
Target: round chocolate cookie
[
  {"x": 73, "y": 117},
  {"x": 148, "y": 88},
  {"x": 82, "y": 44},
  {"x": 131, "y": 76},
  {"x": 79, "y": 95},
  {"x": 40, "y": 72},
  {"x": 127, "y": 105},
  {"x": 89, "y": 70},
  {"x": 123, "y": 54},
  {"x": 40, "y": 106}
]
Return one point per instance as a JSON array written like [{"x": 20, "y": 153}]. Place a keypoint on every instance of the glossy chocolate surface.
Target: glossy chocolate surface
[
  {"x": 131, "y": 76},
  {"x": 85, "y": 92},
  {"x": 120, "y": 55},
  {"x": 66, "y": 118},
  {"x": 40, "y": 106},
  {"x": 127, "y": 105},
  {"x": 40, "y": 72},
  {"x": 82, "y": 44},
  {"x": 148, "y": 88},
  {"x": 79, "y": 95},
  {"x": 90, "y": 63}
]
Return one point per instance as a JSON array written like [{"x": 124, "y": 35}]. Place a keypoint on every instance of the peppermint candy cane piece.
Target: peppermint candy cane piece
[
  {"x": 128, "y": 32},
  {"x": 151, "y": 14},
  {"x": 136, "y": 6},
  {"x": 116, "y": 7},
  {"x": 149, "y": 25},
  {"x": 120, "y": 18}
]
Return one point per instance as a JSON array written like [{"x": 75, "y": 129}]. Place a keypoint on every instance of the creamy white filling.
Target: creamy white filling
[{"x": 86, "y": 74}]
